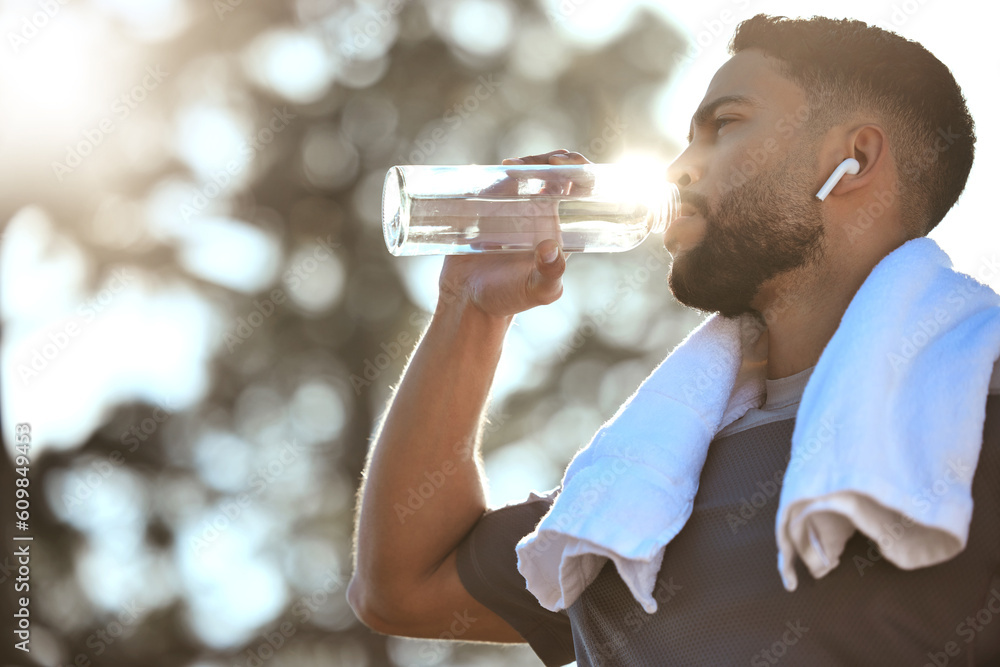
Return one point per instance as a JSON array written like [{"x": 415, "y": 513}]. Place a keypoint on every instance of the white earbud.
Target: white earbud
[{"x": 848, "y": 166}]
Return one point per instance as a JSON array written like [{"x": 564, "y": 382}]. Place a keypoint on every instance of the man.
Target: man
[{"x": 795, "y": 100}]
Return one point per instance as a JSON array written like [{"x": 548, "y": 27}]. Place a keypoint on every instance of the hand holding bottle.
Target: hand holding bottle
[
  {"x": 506, "y": 219},
  {"x": 503, "y": 284}
]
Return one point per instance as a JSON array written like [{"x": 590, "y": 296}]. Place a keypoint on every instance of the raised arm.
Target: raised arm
[{"x": 426, "y": 451}]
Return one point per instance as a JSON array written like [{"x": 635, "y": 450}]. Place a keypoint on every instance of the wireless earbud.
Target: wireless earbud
[{"x": 848, "y": 166}]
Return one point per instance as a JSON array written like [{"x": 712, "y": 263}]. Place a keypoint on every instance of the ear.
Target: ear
[{"x": 868, "y": 145}]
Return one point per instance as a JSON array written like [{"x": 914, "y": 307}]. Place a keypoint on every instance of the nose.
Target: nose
[{"x": 683, "y": 171}]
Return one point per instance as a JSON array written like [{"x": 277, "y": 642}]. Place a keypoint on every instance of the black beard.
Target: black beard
[{"x": 765, "y": 227}]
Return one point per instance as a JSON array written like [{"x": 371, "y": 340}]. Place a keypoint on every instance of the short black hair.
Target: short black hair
[{"x": 845, "y": 66}]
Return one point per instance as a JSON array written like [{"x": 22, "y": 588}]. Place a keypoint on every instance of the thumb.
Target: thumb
[{"x": 545, "y": 284}]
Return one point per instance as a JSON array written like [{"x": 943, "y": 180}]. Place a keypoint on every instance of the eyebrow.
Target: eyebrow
[{"x": 705, "y": 112}]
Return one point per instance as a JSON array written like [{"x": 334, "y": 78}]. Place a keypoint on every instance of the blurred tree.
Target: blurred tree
[{"x": 228, "y": 521}]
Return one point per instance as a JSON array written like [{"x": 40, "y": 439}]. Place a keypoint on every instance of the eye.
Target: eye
[{"x": 722, "y": 121}]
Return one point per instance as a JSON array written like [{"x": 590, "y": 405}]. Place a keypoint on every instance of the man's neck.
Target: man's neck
[{"x": 802, "y": 310}]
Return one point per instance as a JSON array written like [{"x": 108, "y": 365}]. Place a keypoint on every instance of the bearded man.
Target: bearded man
[{"x": 853, "y": 430}]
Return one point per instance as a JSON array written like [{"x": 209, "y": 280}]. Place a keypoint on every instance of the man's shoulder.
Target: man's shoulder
[{"x": 995, "y": 379}]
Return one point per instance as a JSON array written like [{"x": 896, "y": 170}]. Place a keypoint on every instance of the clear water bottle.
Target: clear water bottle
[{"x": 457, "y": 210}]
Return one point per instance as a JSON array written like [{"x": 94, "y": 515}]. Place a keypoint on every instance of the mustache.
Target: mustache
[{"x": 695, "y": 199}]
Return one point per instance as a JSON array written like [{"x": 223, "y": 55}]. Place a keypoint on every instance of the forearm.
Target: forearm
[{"x": 423, "y": 489}]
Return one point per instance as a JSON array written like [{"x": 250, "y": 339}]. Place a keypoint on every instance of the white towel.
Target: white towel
[{"x": 887, "y": 436}]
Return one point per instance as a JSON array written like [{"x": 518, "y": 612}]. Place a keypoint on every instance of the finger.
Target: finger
[
  {"x": 581, "y": 184},
  {"x": 568, "y": 158},
  {"x": 503, "y": 186},
  {"x": 545, "y": 284},
  {"x": 509, "y": 186},
  {"x": 556, "y": 183},
  {"x": 552, "y": 175},
  {"x": 542, "y": 158}
]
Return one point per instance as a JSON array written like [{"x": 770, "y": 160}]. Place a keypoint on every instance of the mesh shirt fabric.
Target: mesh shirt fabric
[{"x": 721, "y": 601}]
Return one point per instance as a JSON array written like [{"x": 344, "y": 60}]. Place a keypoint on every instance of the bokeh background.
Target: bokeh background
[{"x": 201, "y": 323}]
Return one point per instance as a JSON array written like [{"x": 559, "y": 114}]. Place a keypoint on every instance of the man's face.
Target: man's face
[{"x": 748, "y": 182}]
